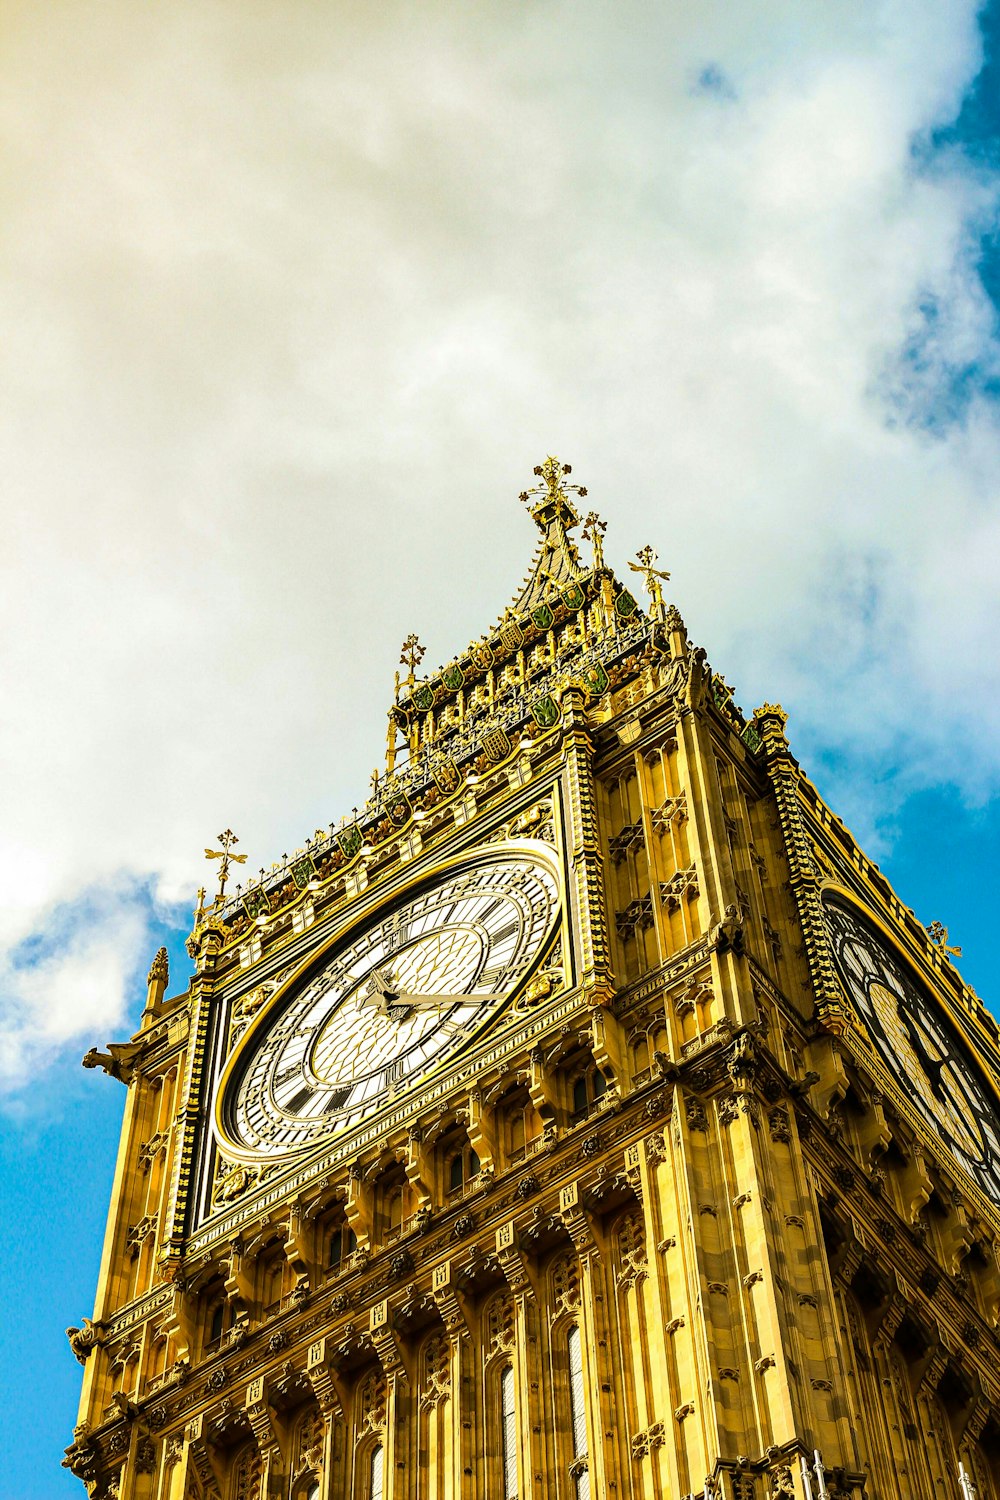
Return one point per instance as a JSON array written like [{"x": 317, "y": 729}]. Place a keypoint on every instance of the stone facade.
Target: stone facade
[{"x": 670, "y": 1227}]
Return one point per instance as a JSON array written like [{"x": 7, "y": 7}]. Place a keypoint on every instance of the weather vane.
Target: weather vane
[
  {"x": 227, "y": 840},
  {"x": 644, "y": 564},
  {"x": 593, "y": 532}
]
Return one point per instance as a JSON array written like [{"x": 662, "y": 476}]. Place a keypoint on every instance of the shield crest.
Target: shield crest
[
  {"x": 496, "y": 744},
  {"x": 573, "y": 596},
  {"x": 625, "y": 605},
  {"x": 542, "y": 617},
  {"x": 445, "y": 773},
  {"x": 256, "y": 904},
  {"x": 423, "y": 697},
  {"x": 481, "y": 656},
  {"x": 453, "y": 677},
  {"x": 546, "y": 711},
  {"x": 350, "y": 840},
  {"x": 303, "y": 871},
  {"x": 596, "y": 679},
  {"x": 510, "y": 635},
  {"x": 397, "y": 809}
]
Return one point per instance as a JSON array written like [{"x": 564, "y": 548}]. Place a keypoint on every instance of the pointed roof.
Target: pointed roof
[{"x": 556, "y": 562}]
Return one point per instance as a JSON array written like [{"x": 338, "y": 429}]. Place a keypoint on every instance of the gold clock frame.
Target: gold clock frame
[{"x": 509, "y": 849}]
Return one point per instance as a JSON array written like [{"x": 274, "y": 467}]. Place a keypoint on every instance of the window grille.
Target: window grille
[{"x": 508, "y": 1435}]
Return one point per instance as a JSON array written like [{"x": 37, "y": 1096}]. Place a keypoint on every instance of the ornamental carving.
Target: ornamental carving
[
  {"x": 373, "y": 1403},
  {"x": 436, "y": 1384},
  {"x": 630, "y": 1243},
  {"x": 500, "y": 1325},
  {"x": 565, "y": 1285}
]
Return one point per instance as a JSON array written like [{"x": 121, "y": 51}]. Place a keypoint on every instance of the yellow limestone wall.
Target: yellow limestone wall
[{"x": 760, "y": 1257}]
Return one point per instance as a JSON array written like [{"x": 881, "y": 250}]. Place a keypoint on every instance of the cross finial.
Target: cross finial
[
  {"x": 549, "y": 501},
  {"x": 593, "y": 532},
  {"x": 645, "y": 562},
  {"x": 411, "y": 656},
  {"x": 227, "y": 839},
  {"x": 938, "y": 934}
]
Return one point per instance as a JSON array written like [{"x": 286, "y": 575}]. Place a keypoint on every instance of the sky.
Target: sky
[{"x": 292, "y": 299}]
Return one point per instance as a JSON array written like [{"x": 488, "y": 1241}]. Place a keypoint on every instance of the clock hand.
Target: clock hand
[{"x": 431, "y": 1002}]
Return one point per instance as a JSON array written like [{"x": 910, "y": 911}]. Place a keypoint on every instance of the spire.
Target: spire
[{"x": 556, "y": 562}]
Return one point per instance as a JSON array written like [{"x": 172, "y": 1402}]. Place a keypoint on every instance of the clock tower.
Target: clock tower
[{"x": 585, "y": 1119}]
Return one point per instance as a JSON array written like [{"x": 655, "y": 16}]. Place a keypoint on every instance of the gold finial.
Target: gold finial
[
  {"x": 644, "y": 564},
  {"x": 159, "y": 969},
  {"x": 938, "y": 934},
  {"x": 593, "y": 532},
  {"x": 549, "y": 501},
  {"x": 227, "y": 840},
  {"x": 410, "y": 657}
]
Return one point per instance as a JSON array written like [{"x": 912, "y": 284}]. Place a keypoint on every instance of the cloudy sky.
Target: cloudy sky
[{"x": 292, "y": 298}]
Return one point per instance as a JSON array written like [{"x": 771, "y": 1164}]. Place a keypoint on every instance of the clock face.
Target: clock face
[
  {"x": 927, "y": 1058},
  {"x": 411, "y": 984}
]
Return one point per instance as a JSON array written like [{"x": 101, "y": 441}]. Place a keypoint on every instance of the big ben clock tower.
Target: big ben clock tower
[{"x": 586, "y": 1120}]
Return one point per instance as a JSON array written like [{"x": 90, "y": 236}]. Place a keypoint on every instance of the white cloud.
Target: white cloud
[{"x": 293, "y": 300}]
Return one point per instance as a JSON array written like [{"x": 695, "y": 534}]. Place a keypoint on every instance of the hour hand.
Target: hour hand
[{"x": 381, "y": 993}]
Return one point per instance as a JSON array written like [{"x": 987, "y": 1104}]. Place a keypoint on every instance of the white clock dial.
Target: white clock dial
[
  {"x": 930, "y": 1062},
  {"x": 408, "y": 986}
]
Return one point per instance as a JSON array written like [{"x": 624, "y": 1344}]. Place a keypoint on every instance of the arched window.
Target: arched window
[
  {"x": 508, "y": 1435},
  {"x": 375, "y": 1467},
  {"x": 216, "y": 1323},
  {"x": 342, "y": 1244},
  {"x": 395, "y": 1213},
  {"x": 577, "y": 1412},
  {"x": 587, "y": 1089},
  {"x": 462, "y": 1167}
]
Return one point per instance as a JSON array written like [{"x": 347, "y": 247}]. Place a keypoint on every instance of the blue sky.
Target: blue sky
[{"x": 292, "y": 305}]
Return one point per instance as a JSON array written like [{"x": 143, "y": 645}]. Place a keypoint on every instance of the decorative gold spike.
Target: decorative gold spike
[
  {"x": 227, "y": 840},
  {"x": 411, "y": 656},
  {"x": 550, "y": 500},
  {"x": 938, "y": 934},
  {"x": 645, "y": 562},
  {"x": 593, "y": 532}
]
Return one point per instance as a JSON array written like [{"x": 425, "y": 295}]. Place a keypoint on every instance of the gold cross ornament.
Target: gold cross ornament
[{"x": 227, "y": 840}]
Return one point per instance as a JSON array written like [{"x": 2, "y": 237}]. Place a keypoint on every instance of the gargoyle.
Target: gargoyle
[
  {"x": 82, "y": 1340},
  {"x": 118, "y": 1062},
  {"x": 727, "y": 935}
]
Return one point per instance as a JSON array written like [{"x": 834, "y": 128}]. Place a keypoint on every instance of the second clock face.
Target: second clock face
[
  {"x": 411, "y": 984},
  {"x": 930, "y": 1062}
]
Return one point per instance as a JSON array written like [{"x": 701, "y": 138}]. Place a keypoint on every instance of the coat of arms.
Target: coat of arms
[
  {"x": 256, "y": 903},
  {"x": 445, "y": 773},
  {"x": 350, "y": 840},
  {"x": 546, "y": 711},
  {"x": 496, "y": 744}
]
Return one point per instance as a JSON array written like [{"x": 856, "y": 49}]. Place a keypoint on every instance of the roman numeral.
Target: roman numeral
[{"x": 298, "y": 1101}]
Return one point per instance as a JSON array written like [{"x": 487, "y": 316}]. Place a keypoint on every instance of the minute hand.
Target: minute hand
[{"x": 431, "y": 1002}]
